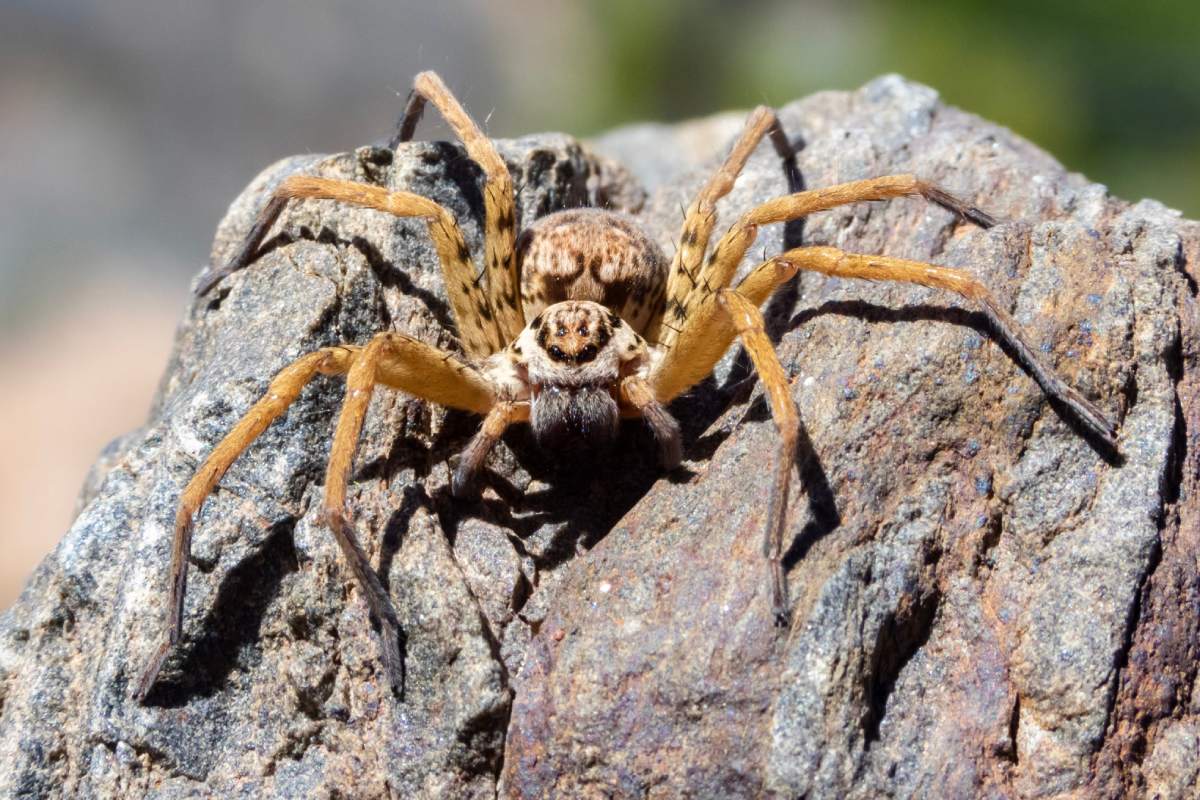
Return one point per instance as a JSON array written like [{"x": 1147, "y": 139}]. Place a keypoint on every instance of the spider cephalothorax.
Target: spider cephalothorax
[
  {"x": 573, "y": 324},
  {"x": 572, "y": 355}
]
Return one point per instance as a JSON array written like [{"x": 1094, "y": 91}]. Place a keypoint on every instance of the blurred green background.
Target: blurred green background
[
  {"x": 127, "y": 126},
  {"x": 1110, "y": 88}
]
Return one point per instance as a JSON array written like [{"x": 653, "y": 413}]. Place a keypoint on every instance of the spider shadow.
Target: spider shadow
[
  {"x": 413, "y": 498},
  {"x": 583, "y": 497},
  {"x": 232, "y": 625},
  {"x": 976, "y": 321},
  {"x": 589, "y": 497},
  {"x": 584, "y": 503},
  {"x": 823, "y": 515}
]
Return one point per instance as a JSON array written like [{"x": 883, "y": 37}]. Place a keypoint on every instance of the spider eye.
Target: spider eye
[
  {"x": 582, "y": 330},
  {"x": 562, "y": 330}
]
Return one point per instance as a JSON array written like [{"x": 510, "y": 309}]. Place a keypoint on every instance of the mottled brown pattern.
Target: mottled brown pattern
[{"x": 591, "y": 254}]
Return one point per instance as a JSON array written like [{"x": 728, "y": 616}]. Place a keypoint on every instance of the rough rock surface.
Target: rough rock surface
[{"x": 985, "y": 603}]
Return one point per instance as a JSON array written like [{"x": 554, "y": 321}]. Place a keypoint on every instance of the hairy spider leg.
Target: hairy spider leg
[
  {"x": 748, "y": 322},
  {"x": 718, "y": 270},
  {"x": 701, "y": 217},
  {"x": 729, "y": 251},
  {"x": 477, "y": 329},
  {"x": 709, "y": 323},
  {"x": 503, "y": 414},
  {"x": 727, "y": 254},
  {"x": 831, "y": 261},
  {"x": 499, "y": 203},
  {"x": 638, "y": 400},
  {"x": 360, "y": 384},
  {"x": 281, "y": 393},
  {"x": 400, "y": 362}
]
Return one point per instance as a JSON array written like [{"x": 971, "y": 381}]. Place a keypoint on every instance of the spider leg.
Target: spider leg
[
  {"x": 384, "y": 360},
  {"x": 701, "y": 216},
  {"x": 759, "y": 284},
  {"x": 748, "y": 322},
  {"x": 282, "y": 392},
  {"x": 401, "y": 362},
  {"x": 700, "y": 348},
  {"x": 499, "y": 203},
  {"x": 477, "y": 327},
  {"x": 503, "y": 414},
  {"x": 727, "y": 254},
  {"x": 637, "y": 395},
  {"x": 708, "y": 332},
  {"x": 360, "y": 384}
]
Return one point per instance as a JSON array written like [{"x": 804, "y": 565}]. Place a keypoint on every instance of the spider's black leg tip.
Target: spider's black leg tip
[
  {"x": 210, "y": 280},
  {"x": 392, "y": 652},
  {"x": 406, "y": 126},
  {"x": 959, "y": 206},
  {"x": 1093, "y": 423},
  {"x": 781, "y": 614},
  {"x": 980, "y": 217},
  {"x": 398, "y": 138},
  {"x": 149, "y": 676},
  {"x": 397, "y": 684},
  {"x": 462, "y": 483},
  {"x": 1107, "y": 433}
]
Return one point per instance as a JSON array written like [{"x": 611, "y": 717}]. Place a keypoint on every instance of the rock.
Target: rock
[{"x": 984, "y": 602}]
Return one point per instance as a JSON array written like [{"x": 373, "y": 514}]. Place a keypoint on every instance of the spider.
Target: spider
[{"x": 575, "y": 322}]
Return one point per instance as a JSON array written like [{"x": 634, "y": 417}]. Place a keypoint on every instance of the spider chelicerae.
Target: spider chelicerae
[{"x": 573, "y": 323}]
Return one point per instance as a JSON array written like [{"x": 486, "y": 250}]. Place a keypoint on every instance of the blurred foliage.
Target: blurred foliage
[{"x": 1111, "y": 89}]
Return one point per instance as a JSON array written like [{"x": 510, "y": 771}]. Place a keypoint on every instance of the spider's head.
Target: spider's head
[{"x": 572, "y": 354}]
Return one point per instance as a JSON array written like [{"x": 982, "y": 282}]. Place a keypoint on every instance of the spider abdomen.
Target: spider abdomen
[{"x": 592, "y": 254}]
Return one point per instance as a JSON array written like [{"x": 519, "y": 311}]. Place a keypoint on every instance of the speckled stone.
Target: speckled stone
[{"x": 984, "y": 603}]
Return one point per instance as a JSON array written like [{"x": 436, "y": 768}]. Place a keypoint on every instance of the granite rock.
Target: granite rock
[{"x": 985, "y": 602}]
